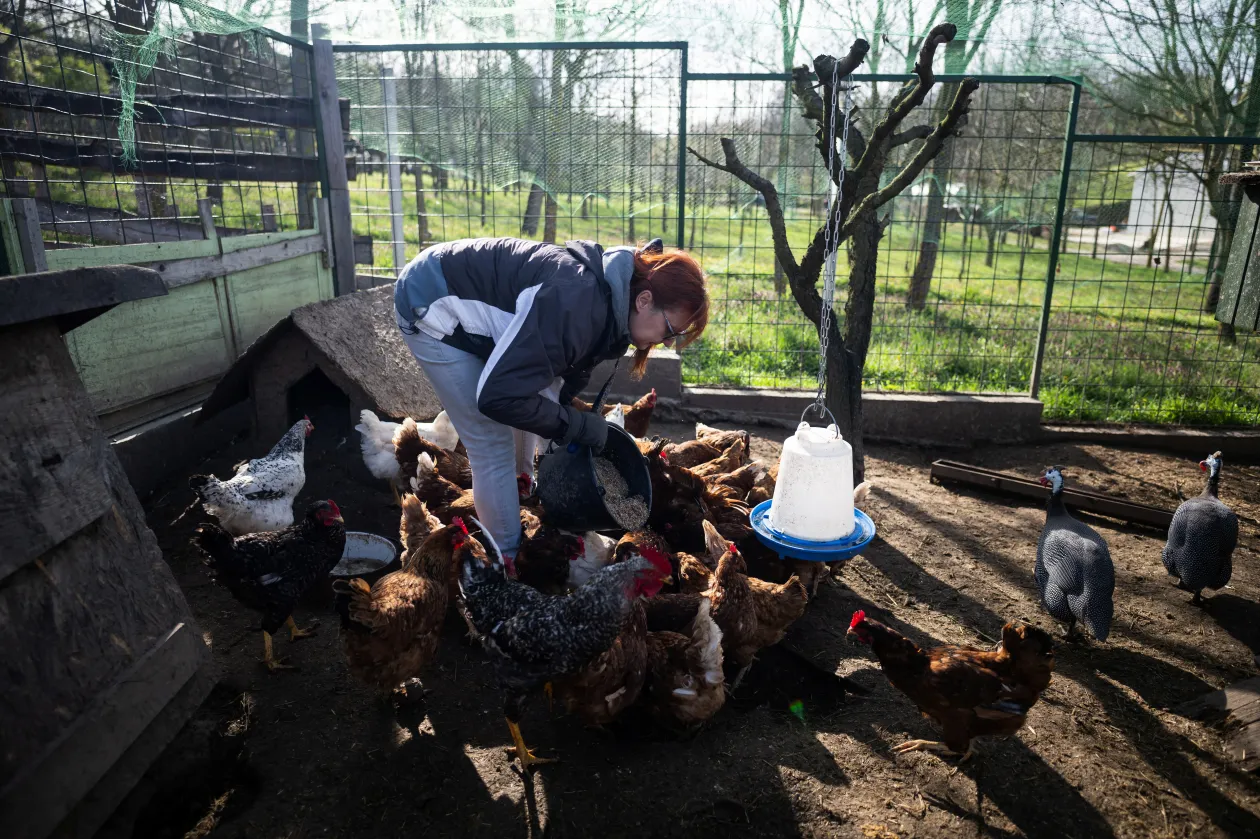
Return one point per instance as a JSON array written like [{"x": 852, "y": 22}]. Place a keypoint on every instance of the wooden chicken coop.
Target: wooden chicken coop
[
  {"x": 102, "y": 660},
  {"x": 350, "y": 344}
]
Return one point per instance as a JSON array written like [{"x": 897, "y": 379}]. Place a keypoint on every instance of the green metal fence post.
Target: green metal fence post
[
  {"x": 682, "y": 145},
  {"x": 1056, "y": 241}
]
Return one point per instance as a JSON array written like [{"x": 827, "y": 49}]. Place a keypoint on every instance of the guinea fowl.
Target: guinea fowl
[
  {"x": 1202, "y": 537},
  {"x": 1073, "y": 571}
]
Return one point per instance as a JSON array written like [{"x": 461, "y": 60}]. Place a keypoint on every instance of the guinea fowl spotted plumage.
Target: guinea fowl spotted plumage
[
  {"x": 1202, "y": 537},
  {"x": 1074, "y": 571}
]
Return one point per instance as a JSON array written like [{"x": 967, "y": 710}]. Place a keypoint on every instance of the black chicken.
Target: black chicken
[
  {"x": 269, "y": 572},
  {"x": 534, "y": 638}
]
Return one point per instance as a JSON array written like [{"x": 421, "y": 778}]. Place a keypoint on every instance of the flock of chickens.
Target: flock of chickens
[{"x": 652, "y": 619}]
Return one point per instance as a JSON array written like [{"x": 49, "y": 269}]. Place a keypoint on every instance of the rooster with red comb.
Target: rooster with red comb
[{"x": 534, "y": 638}]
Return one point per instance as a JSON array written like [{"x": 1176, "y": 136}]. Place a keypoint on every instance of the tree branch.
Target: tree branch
[
  {"x": 918, "y": 132},
  {"x": 778, "y": 230},
  {"x": 931, "y": 147},
  {"x": 909, "y": 98},
  {"x": 818, "y": 108}
]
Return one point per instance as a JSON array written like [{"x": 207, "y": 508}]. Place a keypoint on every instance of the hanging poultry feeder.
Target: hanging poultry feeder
[{"x": 811, "y": 515}]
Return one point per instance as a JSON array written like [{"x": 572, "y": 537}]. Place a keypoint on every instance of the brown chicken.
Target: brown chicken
[
  {"x": 743, "y": 479},
  {"x": 390, "y": 629},
  {"x": 685, "y": 686},
  {"x": 543, "y": 559},
  {"x": 730, "y": 460},
  {"x": 611, "y": 683},
  {"x": 720, "y": 439},
  {"x": 753, "y": 614},
  {"x": 638, "y": 540},
  {"x": 446, "y": 500},
  {"x": 637, "y": 416},
  {"x": 691, "y": 453},
  {"x": 409, "y": 445},
  {"x": 969, "y": 693},
  {"x": 678, "y": 505}
]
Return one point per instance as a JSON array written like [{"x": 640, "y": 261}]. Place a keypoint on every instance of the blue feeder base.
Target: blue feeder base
[{"x": 786, "y": 546}]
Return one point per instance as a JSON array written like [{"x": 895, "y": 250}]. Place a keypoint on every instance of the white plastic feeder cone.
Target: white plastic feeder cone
[{"x": 813, "y": 499}]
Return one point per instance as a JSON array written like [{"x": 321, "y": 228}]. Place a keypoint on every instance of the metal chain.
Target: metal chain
[{"x": 831, "y": 234}]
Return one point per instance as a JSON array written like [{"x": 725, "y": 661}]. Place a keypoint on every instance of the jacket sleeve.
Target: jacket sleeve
[
  {"x": 555, "y": 324},
  {"x": 574, "y": 384}
]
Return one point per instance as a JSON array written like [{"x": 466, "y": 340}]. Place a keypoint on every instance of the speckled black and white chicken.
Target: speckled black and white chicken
[
  {"x": 259, "y": 497},
  {"x": 1202, "y": 537},
  {"x": 1074, "y": 571}
]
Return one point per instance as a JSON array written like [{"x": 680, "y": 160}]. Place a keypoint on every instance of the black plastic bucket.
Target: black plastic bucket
[{"x": 571, "y": 494}]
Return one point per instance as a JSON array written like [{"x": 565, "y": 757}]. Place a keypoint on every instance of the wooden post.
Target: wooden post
[
  {"x": 30, "y": 239},
  {"x": 300, "y": 67},
  {"x": 332, "y": 148},
  {"x": 394, "y": 166}
]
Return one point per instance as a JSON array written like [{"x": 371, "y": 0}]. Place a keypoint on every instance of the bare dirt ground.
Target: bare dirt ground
[{"x": 313, "y": 753}]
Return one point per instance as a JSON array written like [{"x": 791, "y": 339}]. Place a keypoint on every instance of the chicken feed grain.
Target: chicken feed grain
[{"x": 630, "y": 511}]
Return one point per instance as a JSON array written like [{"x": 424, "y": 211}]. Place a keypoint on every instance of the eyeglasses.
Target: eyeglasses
[{"x": 670, "y": 333}]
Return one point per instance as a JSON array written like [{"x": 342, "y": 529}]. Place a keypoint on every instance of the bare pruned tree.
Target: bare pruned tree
[{"x": 855, "y": 215}]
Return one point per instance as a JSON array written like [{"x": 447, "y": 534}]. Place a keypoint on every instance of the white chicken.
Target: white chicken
[
  {"x": 597, "y": 552},
  {"x": 617, "y": 416},
  {"x": 259, "y": 497},
  {"x": 377, "y": 442}
]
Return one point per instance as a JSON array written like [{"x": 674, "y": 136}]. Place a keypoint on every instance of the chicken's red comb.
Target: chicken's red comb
[
  {"x": 731, "y": 547},
  {"x": 335, "y": 509},
  {"x": 858, "y": 617},
  {"x": 652, "y": 397},
  {"x": 653, "y": 554},
  {"x": 458, "y": 522}
]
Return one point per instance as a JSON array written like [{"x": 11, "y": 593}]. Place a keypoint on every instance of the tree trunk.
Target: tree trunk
[
  {"x": 921, "y": 277},
  {"x": 929, "y": 245},
  {"x": 549, "y": 223},
  {"x": 422, "y": 217},
  {"x": 846, "y": 363},
  {"x": 992, "y": 249},
  {"x": 533, "y": 210},
  {"x": 1216, "y": 274}
]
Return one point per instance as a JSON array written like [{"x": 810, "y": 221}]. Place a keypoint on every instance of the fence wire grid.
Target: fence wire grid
[
  {"x": 576, "y": 143},
  {"x": 224, "y": 117},
  {"x": 568, "y": 141}
]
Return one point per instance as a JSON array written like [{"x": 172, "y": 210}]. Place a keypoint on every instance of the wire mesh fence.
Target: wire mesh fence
[
  {"x": 554, "y": 144},
  {"x": 1132, "y": 335},
  {"x": 960, "y": 281},
  {"x": 587, "y": 140},
  {"x": 227, "y": 117}
]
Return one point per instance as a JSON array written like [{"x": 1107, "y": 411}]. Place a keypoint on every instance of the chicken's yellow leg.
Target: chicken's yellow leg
[
  {"x": 923, "y": 746},
  {"x": 523, "y": 754},
  {"x": 295, "y": 633},
  {"x": 550, "y": 693},
  {"x": 268, "y": 658}
]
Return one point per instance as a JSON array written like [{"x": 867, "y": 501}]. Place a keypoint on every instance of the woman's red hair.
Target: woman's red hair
[{"x": 676, "y": 281}]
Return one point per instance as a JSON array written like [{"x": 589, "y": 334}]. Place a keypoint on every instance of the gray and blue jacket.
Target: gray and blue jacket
[{"x": 534, "y": 311}]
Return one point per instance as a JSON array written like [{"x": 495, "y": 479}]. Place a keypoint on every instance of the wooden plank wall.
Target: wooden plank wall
[{"x": 145, "y": 357}]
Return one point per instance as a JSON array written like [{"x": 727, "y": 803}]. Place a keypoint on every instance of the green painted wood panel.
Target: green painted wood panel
[
  {"x": 1239, "y": 302},
  {"x": 261, "y": 296},
  {"x": 145, "y": 348}
]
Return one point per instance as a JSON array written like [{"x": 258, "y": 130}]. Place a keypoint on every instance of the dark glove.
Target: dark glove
[{"x": 586, "y": 428}]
